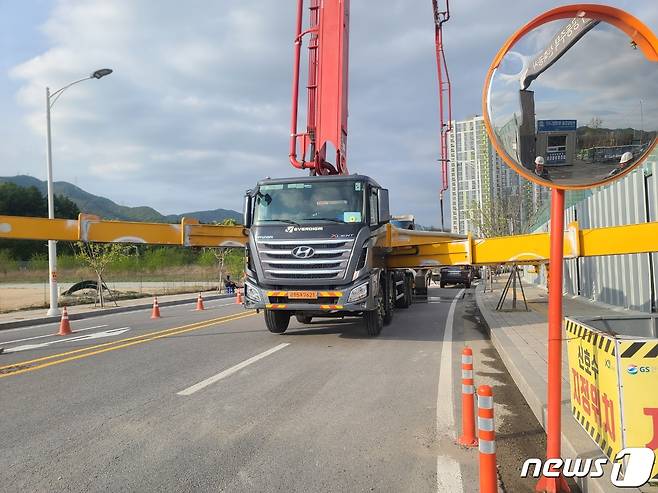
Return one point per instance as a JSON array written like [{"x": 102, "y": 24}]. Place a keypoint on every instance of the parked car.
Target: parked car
[{"x": 457, "y": 274}]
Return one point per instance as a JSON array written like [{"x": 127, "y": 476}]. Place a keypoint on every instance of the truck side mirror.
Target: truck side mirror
[
  {"x": 246, "y": 211},
  {"x": 382, "y": 203}
]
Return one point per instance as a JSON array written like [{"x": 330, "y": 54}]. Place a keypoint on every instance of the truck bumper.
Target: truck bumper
[{"x": 328, "y": 302}]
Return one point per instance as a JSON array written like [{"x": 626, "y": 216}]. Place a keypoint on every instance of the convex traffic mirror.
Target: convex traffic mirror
[{"x": 571, "y": 99}]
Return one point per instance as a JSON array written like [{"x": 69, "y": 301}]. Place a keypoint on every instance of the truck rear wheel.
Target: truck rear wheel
[
  {"x": 303, "y": 319},
  {"x": 389, "y": 298},
  {"x": 407, "y": 299},
  {"x": 277, "y": 321}
]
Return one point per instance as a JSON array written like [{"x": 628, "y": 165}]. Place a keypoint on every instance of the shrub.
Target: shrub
[
  {"x": 39, "y": 261},
  {"x": 7, "y": 262}
]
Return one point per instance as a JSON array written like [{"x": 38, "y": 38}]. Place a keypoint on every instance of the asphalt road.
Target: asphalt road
[{"x": 211, "y": 401}]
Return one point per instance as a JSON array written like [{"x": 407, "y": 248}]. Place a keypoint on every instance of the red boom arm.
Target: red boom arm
[
  {"x": 328, "y": 45},
  {"x": 445, "y": 94}
]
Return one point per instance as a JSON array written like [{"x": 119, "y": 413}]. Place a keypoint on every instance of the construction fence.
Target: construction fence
[{"x": 627, "y": 281}]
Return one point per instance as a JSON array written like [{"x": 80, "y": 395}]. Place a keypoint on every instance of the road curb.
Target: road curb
[
  {"x": 15, "y": 324},
  {"x": 575, "y": 441}
]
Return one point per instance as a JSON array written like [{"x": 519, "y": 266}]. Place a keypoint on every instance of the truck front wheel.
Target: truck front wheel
[
  {"x": 374, "y": 319},
  {"x": 277, "y": 321}
]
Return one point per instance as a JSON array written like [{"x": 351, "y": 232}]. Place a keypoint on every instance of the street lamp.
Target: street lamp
[{"x": 51, "y": 98}]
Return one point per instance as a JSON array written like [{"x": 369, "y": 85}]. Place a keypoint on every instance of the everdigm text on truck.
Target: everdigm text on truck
[{"x": 315, "y": 249}]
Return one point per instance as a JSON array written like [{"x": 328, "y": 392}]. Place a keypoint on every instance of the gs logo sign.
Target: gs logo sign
[{"x": 634, "y": 369}]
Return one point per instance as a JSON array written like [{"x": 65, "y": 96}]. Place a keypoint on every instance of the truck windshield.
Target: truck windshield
[{"x": 326, "y": 200}]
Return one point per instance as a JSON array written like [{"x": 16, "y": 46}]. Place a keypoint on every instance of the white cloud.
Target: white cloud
[
  {"x": 198, "y": 107},
  {"x": 114, "y": 171}
]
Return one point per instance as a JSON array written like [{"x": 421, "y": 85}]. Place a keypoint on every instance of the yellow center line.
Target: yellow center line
[
  {"x": 121, "y": 343},
  {"x": 148, "y": 334}
]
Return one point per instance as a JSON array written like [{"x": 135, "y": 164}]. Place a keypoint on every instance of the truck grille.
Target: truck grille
[{"x": 329, "y": 260}]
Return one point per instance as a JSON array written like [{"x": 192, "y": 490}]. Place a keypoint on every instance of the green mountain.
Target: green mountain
[{"x": 107, "y": 209}]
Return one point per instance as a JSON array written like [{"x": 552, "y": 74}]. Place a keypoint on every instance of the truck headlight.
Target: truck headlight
[
  {"x": 358, "y": 293},
  {"x": 251, "y": 292}
]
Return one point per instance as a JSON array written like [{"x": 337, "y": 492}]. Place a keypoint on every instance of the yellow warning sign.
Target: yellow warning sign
[
  {"x": 593, "y": 377},
  {"x": 638, "y": 361}
]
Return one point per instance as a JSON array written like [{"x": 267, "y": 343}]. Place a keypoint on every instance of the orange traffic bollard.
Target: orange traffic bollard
[
  {"x": 199, "y": 303},
  {"x": 238, "y": 296},
  {"x": 467, "y": 437},
  {"x": 155, "y": 313},
  {"x": 64, "y": 325},
  {"x": 487, "y": 442}
]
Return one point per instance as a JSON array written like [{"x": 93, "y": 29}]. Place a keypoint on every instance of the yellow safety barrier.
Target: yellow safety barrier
[
  {"x": 405, "y": 248},
  {"x": 93, "y": 229},
  {"x": 613, "y": 381}
]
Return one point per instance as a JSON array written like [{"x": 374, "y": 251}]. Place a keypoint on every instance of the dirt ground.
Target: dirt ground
[
  {"x": 36, "y": 295},
  {"x": 22, "y": 298}
]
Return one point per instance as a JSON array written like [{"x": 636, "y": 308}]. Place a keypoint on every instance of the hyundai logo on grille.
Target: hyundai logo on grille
[{"x": 303, "y": 252}]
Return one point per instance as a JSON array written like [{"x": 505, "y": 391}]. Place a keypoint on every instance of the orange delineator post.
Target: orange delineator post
[
  {"x": 554, "y": 398},
  {"x": 199, "y": 303},
  {"x": 468, "y": 437},
  {"x": 487, "y": 442},
  {"x": 155, "y": 313},
  {"x": 64, "y": 324},
  {"x": 238, "y": 296}
]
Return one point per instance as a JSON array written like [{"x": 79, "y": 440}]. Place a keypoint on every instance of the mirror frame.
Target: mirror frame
[
  {"x": 645, "y": 39},
  {"x": 247, "y": 209},
  {"x": 383, "y": 206}
]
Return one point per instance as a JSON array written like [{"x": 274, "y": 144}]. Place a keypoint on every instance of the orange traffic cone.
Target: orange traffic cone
[
  {"x": 238, "y": 296},
  {"x": 64, "y": 325},
  {"x": 155, "y": 313},
  {"x": 199, "y": 303}
]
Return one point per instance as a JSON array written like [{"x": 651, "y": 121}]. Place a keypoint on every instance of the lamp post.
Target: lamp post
[{"x": 51, "y": 98}]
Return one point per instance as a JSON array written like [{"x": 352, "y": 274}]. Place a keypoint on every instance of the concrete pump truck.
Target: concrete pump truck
[{"x": 316, "y": 245}]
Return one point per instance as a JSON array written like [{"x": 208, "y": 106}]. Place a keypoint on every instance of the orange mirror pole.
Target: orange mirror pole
[{"x": 554, "y": 401}]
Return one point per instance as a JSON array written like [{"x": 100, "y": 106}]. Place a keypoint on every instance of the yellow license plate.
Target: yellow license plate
[{"x": 302, "y": 295}]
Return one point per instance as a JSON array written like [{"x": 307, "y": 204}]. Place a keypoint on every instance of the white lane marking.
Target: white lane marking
[
  {"x": 226, "y": 373},
  {"x": 447, "y": 471},
  {"x": 445, "y": 423},
  {"x": 87, "y": 337},
  {"x": 448, "y": 475},
  {"x": 52, "y": 335}
]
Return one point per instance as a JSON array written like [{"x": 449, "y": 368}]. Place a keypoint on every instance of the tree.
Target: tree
[
  {"x": 22, "y": 201},
  {"x": 98, "y": 256},
  {"x": 65, "y": 208},
  {"x": 595, "y": 122},
  {"x": 503, "y": 216},
  {"x": 221, "y": 253},
  {"x": 28, "y": 201}
]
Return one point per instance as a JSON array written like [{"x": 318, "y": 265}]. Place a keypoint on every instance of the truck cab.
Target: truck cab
[{"x": 315, "y": 250}]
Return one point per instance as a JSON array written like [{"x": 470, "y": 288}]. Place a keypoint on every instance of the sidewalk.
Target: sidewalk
[
  {"x": 520, "y": 337},
  {"x": 24, "y": 318}
]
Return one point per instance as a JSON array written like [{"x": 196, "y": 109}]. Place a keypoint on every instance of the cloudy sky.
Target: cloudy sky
[{"x": 198, "y": 107}]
